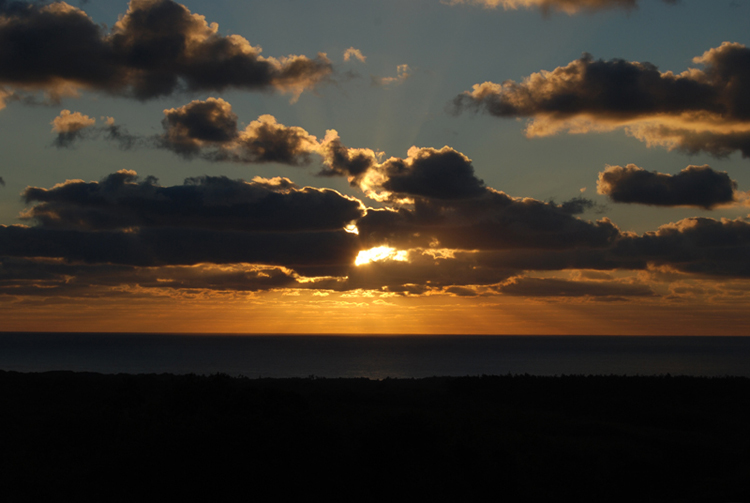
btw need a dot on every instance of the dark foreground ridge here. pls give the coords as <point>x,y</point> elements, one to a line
<point>91,437</point>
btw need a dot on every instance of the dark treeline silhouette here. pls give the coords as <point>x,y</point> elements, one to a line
<point>89,437</point>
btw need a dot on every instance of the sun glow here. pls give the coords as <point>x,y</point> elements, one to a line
<point>380,253</point>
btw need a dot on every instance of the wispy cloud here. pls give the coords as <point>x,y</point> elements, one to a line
<point>352,53</point>
<point>403,72</point>
<point>566,6</point>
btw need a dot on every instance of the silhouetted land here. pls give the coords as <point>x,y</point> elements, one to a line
<point>90,437</point>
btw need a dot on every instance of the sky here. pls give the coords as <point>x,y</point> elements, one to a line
<point>376,167</point>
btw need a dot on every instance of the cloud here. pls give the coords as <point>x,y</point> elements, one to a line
<point>566,6</point>
<point>209,129</point>
<point>439,202</point>
<point>428,173</point>
<point>157,48</point>
<point>551,287</point>
<point>403,73</point>
<point>425,270</point>
<point>69,127</point>
<point>124,232</point>
<point>697,110</point>
<point>352,53</point>
<point>51,277</point>
<point>698,186</point>
<point>716,143</point>
<point>72,127</point>
<point>694,245</point>
<point>308,253</point>
<point>579,205</point>
<point>340,160</point>
<point>494,221</point>
<point>125,220</point>
<point>122,201</point>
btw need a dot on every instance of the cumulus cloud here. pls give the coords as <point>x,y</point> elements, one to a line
<point>123,201</point>
<point>693,245</point>
<point>308,253</point>
<point>157,48</point>
<point>209,129</point>
<point>69,127</point>
<point>341,160</point>
<point>217,233</point>
<point>125,220</point>
<point>697,110</point>
<point>352,53</point>
<point>493,221</point>
<point>425,172</point>
<point>698,186</point>
<point>566,6</point>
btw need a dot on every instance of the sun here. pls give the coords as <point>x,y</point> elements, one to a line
<point>380,253</point>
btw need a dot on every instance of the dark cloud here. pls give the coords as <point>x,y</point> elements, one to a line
<point>314,253</point>
<point>441,203</point>
<point>433,174</point>
<point>460,291</point>
<point>694,245</point>
<point>206,129</point>
<point>220,234</point>
<point>71,127</point>
<point>698,110</point>
<point>579,205</point>
<point>157,48</point>
<point>698,186</point>
<point>46,277</point>
<point>493,221</point>
<point>209,129</point>
<point>702,246</point>
<point>422,269</point>
<point>127,221</point>
<point>189,127</point>
<point>344,161</point>
<point>615,89</point>
<point>122,201</point>
<point>567,6</point>
<point>535,259</point>
<point>551,287</point>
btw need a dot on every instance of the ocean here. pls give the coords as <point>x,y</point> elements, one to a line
<point>374,357</point>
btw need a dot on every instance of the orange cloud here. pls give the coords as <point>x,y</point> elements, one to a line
<point>403,73</point>
<point>352,53</point>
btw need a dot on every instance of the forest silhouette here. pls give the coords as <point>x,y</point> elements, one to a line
<point>93,437</point>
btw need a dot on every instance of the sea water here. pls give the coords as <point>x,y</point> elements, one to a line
<point>374,357</point>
